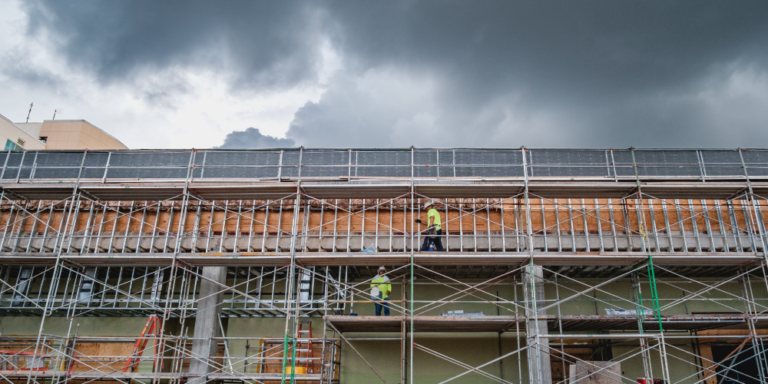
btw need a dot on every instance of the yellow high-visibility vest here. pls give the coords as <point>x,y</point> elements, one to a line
<point>434,213</point>
<point>382,283</point>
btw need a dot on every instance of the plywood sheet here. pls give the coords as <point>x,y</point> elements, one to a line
<point>596,372</point>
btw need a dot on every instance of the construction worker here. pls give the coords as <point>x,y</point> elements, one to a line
<point>380,290</point>
<point>433,222</point>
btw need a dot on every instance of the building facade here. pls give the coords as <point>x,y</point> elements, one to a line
<point>14,137</point>
<point>55,134</point>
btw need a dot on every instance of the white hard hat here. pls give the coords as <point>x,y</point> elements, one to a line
<point>427,204</point>
<point>382,269</point>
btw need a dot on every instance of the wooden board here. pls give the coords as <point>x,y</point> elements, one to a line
<point>104,357</point>
<point>463,215</point>
<point>595,372</point>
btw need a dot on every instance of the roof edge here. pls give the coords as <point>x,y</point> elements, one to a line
<point>91,124</point>
<point>22,129</point>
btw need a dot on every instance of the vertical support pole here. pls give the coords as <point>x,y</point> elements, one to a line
<point>391,218</point>
<point>544,225</point>
<point>760,360</point>
<point>756,208</point>
<point>557,221</point>
<point>57,269</point>
<point>599,225</point>
<point>403,330</point>
<point>291,276</point>
<point>681,225</point>
<point>751,312</point>
<point>560,327</point>
<point>252,227</point>
<point>670,238</point>
<point>721,226</point>
<point>539,366</point>
<point>570,223</point>
<point>517,334</point>
<point>707,224</point>
<point>488,223</point>
<point>325,350</point>
<point>474,225</point>
<point>653,225</point>
<point>106,168</point>
<point>5,164</point>
<point>21,166</point>
<point>586,226</point>
<point>651,273</point>
<point>376,231</point>
<point>501,213</point>
<point>646,354</point>
<point>160,343</point>
<point>349,223</point>
<point>411,298</point>
<point>501,351</point>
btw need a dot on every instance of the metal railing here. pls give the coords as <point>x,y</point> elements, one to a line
<point>419,163</point>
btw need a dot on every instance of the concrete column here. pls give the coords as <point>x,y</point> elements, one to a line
<point>207,322</point>
<point>538,352</point>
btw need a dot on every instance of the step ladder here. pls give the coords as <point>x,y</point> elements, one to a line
<point>152,327</point>
<point>304,349</point>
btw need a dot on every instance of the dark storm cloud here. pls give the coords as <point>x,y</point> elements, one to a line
<point>252,138</point>
<point>611,72</point>
<point>594,48</point>
<point>264,44</point>
<point>457,73</point>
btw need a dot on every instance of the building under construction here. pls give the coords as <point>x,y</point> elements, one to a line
<point>561,266</point>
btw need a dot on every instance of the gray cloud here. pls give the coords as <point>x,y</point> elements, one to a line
<point>13,66</point>
<point>264,45</point>
<point>588,73</point>
<point>455,73</point>
<point>251,138</point>
<point>590,47</point>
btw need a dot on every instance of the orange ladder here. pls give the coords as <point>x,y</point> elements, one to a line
<point>305,347</point>
<point>152,327</point>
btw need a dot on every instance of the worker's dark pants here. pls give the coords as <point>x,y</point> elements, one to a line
<point>378,306</point>
<point>435,239</point>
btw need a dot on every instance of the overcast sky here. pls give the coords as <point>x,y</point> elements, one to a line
<point>247,74</point>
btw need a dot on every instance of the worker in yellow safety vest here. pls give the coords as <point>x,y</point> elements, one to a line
<point>433,222</point>
<point>380,290</point>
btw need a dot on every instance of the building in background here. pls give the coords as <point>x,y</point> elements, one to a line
<point>14,137</point>
<point>55,134</point>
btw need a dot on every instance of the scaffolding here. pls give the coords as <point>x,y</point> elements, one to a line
<point>650,258</point>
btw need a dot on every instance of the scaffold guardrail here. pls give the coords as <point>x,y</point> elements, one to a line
<point>405,163</point>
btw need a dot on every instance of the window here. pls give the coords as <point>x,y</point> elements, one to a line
<point>20,142</point>
<point>11,146</point>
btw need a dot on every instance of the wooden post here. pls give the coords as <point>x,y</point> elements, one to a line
<point>707,362</point>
